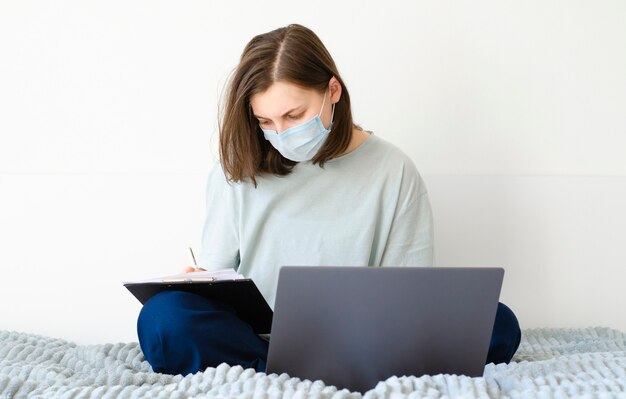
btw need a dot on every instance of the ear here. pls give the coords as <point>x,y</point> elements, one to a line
<point>335,90</point>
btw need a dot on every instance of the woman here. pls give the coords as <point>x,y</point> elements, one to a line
<point>298,183</point>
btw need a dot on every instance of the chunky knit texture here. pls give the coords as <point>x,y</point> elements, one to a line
<point>550,363</point>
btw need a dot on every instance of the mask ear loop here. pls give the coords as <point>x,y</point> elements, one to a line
<point>332,115</point>
<point>323,102</point>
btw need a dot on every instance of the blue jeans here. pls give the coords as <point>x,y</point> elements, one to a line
<point>182,333</point>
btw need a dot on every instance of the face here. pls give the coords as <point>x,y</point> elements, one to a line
<point>284,105</point>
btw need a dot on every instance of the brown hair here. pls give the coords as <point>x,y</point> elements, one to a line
<point>292,54</point>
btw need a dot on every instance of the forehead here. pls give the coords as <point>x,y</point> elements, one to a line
<point>279,97</point>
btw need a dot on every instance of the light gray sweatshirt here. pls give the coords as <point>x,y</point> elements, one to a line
<point>369,207</point>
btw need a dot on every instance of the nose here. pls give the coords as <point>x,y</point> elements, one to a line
<point>279,128</point>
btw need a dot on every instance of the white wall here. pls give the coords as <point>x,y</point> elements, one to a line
<point>514,112</point>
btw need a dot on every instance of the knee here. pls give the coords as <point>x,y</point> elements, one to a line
<point>168,330</point>
<point>166,313</point>
<point>158,313</point>
<point>506,317</point>
<point>506,336</point>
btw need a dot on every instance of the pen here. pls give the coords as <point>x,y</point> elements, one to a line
<point>195,265</point>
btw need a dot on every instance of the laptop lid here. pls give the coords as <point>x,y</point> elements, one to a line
<point>355,326</point>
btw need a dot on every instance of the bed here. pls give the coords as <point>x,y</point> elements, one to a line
<point>550,363</point>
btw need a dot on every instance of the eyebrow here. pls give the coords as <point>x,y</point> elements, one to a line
<point>285,114</point>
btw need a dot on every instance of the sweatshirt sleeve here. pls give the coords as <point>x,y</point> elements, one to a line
<point>410,241</point>
<point>220,237</point>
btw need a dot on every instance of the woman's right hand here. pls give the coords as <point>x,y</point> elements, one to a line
<point>191,269</point>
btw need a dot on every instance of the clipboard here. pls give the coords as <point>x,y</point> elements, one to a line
<point>241,294</point>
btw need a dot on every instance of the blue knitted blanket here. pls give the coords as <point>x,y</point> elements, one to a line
<point>550,363</point>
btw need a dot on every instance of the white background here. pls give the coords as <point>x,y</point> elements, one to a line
<point>514,113</point>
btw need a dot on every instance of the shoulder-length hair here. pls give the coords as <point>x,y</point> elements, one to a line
<point>292,54</point>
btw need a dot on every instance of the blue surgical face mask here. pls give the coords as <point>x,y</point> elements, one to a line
<point>301,143</point>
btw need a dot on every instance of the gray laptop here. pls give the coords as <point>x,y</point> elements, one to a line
<point>355,326</point>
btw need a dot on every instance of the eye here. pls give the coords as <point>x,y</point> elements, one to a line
<point>293,117</point>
